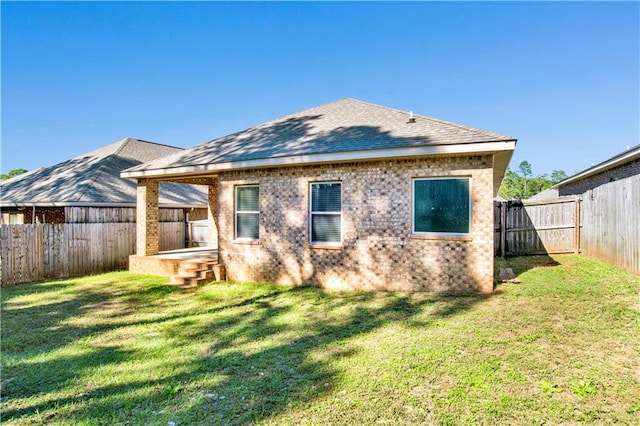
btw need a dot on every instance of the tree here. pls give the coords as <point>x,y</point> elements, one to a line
<point>537,184</point>
<point>12,173</point>
<point>523,184</point>
<point>511,186</point>
<point>558,176</point>
<point>525,171</point>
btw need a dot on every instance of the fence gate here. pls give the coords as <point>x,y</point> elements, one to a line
<point>537,227</point>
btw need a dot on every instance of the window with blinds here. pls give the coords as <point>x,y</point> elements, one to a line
<point>247,212</point>
<point>442,206</point>
<point>326,212</point>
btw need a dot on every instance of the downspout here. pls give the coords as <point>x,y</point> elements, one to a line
<point>33,215</point>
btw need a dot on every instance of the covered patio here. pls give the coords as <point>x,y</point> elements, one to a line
<point>188,266</point>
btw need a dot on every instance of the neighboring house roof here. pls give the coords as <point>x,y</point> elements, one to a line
<point>546,194</point>
<point>345,130</point>
<point>624,157</point>
<point>93,179</point>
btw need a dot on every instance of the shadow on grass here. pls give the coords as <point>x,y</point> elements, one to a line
<point>522,264</point>
<point>264,352</point>
<point>44,325</point>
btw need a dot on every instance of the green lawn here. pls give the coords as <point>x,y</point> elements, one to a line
<point>561,347</point>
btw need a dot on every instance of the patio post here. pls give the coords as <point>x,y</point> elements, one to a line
<point>147,243</point>
<point>212,212</point>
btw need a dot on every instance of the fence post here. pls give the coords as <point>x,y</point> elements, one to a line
<point>503,228</point>
<point>576,244</point>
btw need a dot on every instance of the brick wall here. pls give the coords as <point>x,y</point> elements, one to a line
<point>147,239</point>
<point>378,250</point>
<point>581,186</point>
<point>45,215</point>
<point>198,214</point>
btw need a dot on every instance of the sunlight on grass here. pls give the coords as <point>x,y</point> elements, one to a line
<point>561,347</point>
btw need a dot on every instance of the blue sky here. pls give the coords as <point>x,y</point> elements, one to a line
<point>563,78</point>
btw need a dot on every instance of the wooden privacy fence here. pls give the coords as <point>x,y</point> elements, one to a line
<point>537,227</point>
<point>611,223</point>
<point>38,252</point>
<point>603,224</point>
<point>198,234</point>
<point>116,215</point>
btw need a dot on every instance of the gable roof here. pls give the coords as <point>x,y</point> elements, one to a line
<point>545,195</point>
<point>93,179</point>
<point>626,156</point>
<point>345,130</point>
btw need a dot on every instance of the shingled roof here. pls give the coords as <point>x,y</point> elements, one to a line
<point>345,130</point>
<point>93,179</point>
<point>624,157</point>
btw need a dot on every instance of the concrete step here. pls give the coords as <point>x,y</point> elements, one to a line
<point>193,273</point>
<point>199,262</point>
<point>185,282</point>
<point>191,269</point>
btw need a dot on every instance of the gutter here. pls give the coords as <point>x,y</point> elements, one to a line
<point>323,158</point>
<point>625,157</point>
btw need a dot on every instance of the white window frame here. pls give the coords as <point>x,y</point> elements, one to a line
<point>236,212</point>
<point>413,207</point>
<point>311,213</point>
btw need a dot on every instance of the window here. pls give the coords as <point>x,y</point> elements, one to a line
<point>442,206</point>
<point>16,218</point>
<point>247,212</point>
<point>326,212</point>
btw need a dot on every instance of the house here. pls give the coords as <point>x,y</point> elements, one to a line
<point>88,188</point>
<point>346,195</point>
<point>545,195</point>
<point>620,166</point>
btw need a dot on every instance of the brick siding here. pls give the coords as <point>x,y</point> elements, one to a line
<point>581,186</point>
<point>44,215</point>
<point>378,251</point>
<point>198,214</point>
<point>147,239</point>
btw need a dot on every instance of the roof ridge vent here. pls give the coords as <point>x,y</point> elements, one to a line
<point>412,119</point>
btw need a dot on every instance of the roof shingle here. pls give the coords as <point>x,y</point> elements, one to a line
<point>347,125</point>
<point>94,177</point>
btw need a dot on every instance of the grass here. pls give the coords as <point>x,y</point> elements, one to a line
<point>561,347</point>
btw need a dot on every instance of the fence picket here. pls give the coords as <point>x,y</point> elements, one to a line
<point>610,228</point>
<point>536,227</point>
<point>35,252</point>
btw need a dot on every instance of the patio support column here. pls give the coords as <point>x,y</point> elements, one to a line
<point>212,212</point>
<point>147,243</point>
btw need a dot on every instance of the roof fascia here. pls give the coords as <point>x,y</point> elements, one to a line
<point>625,157</point>
<point>501,160</point>
<point>321,158</point>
